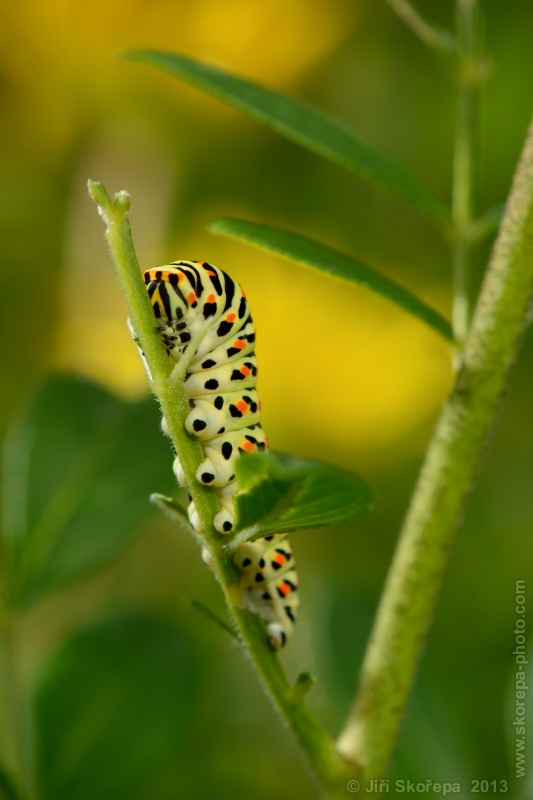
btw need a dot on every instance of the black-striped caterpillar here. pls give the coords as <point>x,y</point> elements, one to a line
<point>198,306</point>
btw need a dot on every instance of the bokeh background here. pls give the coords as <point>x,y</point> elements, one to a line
<point>344,376</point>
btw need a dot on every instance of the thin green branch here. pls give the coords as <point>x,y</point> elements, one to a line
<point>453,460</point>
<point>465,166</point>
<point>434,37</point>
<point>118,234</point>
<point>328,766</point>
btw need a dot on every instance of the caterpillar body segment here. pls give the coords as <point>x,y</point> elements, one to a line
<point>197,305</point>
<point>207,420</point>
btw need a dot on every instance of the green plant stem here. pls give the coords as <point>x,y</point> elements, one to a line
<point>434,37</point>
<point>465,166</point>
<point>329,767</point>
<point>453,460</point>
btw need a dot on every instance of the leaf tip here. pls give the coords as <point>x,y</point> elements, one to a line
<point>131,55</point>
<point>216,225</point>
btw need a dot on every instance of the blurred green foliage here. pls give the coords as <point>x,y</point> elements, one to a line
<point>76,482</point>
<point>113,704</point>
<point>75,111</point>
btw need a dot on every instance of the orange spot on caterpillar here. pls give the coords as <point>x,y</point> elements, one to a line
<point>191,297</point>
<point>211,297</point>
<point>211,273</point>
<point>279,558</point>
<point>284,588</point>
<point>248,446</point>
<point>239,344</point>
<point>242,405</point>
<point>231,318</point>
<point>245,370</point>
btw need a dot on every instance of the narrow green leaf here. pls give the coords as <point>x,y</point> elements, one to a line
<point>278,494</point>
<point>211,616</point>
<point>320,257</point>
<point>174,511</point>
<point>299,122</point>
<point>79,466</point>
<point>114,704</point>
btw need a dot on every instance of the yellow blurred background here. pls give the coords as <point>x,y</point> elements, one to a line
<point>74,106</point>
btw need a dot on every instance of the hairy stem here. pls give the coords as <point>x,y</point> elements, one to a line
<point>328,766</point>
<point>465,165</point>
<point>453,460</point>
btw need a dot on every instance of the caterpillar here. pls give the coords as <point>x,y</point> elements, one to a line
<point>198,306</point>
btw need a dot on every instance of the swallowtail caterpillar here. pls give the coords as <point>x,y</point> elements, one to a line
<point>194,301</point>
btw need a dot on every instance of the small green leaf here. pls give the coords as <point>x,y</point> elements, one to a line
<point>212,617</point>
<point>114,704</point>
<point>174,511</point>
<point>320,257</point>
<point>299,122</point>
<point>278,494</point>
<point>79,467</point>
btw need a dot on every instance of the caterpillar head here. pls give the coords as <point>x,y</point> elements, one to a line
<point>171,293</point>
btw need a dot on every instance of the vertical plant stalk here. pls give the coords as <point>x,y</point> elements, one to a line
<point>329,767</point>
<point>465,165</point>
<point>17,716</point>
<point>453,460</point>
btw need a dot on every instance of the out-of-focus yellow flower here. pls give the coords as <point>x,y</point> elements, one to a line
<point>61,56</point>
<point>63,64</point>
<point>340,369</point>
<point>343,371</point>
